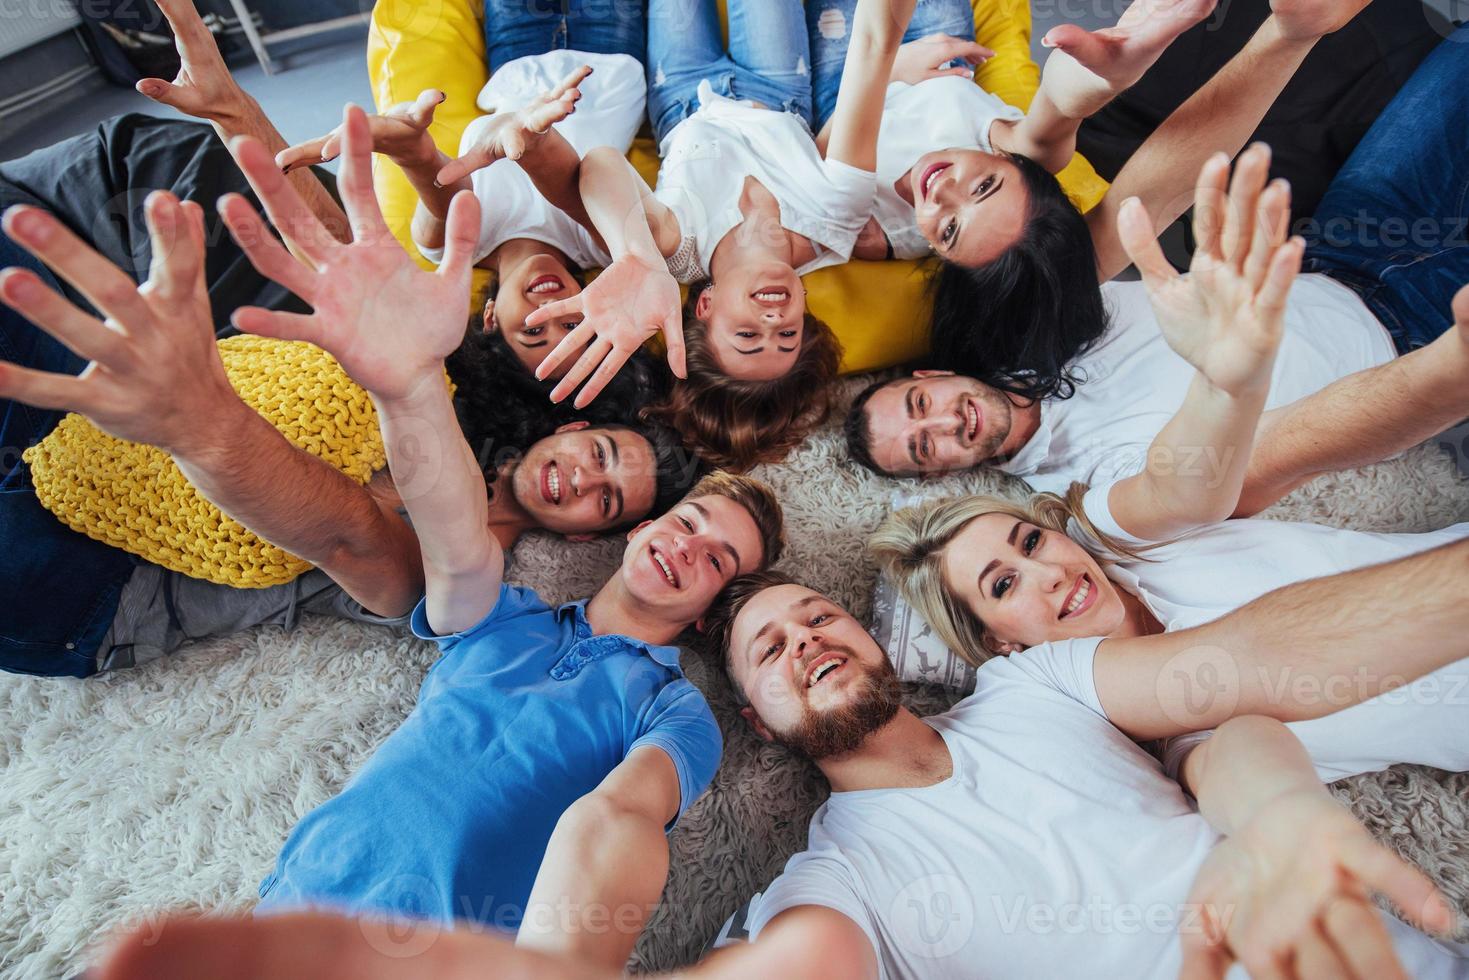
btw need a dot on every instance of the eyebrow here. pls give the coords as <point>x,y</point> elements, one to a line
<point>728,548</point>
<point>994,564</point>
<point>983,197</point>
<point>801,604</point>
<point>533,346</point>
<point>757,350</point>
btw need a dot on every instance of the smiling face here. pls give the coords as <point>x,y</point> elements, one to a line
<point>1029,585</point>
<point>583,480</point>
<point>531,284</point>
<point>677,564</point>
<point>754,317</point>
<point>936,422</point>
<point>969,204</point>
<point>816,681</point>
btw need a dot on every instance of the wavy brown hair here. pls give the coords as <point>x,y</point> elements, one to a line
<point>735,424</point>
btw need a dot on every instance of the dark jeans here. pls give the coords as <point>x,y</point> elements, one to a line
<point>519,28</point>
<point>58,588</point>
<point>1394,224</point>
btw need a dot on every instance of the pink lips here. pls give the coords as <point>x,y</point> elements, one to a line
<point>545,280</point>
<point>923,182</point>
<point>1087,603</point>
<point>549,497</point>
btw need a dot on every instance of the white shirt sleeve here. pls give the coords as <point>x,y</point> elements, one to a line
<point>813,879</point>
<point>856,187</point>
<point>1065,666</point>
<point>1097,505</point>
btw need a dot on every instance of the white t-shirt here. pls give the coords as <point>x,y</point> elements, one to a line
<point>1133,382</point>
<point>1216,569</point>
<point>707,157</point>
<point>1057,848</point>
<point>935,114</point>
<point>609,114</point>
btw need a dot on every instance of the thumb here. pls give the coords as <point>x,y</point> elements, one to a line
<point>673,340</point>
<point>158,90</point>
<point>1086,47</point>
<point>422,113</point>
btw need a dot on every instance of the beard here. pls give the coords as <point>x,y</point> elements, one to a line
<point>838,731</point>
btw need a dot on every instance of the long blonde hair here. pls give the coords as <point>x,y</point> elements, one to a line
<point>909,548</point>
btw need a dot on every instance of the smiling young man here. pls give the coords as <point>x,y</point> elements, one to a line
<point>550,748</point>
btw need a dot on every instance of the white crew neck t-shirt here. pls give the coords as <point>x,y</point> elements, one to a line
<point>609,114</point>
<point>1057,848</point>
<point>1133,382</point>
<point>1214,570</point>
<point>935,114</point>
<point>707,157</point>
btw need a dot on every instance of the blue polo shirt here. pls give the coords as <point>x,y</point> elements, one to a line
<point>522,715</point>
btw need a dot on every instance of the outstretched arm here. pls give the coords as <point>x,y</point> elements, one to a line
<point>1226,318</point>
<point>1218,117</point>
<point>877,32</point>
<point>156,378</point>
<point>205,89</point>
<point>1291,882</point>
<point>1297,653</point>
<point>390,325</point>
<point>1363,418</point>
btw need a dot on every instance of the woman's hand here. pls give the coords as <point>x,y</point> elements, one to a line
<point>1289,894</point>
<point>629,302</point>
<point>928,57</point>
<point>510,135</point>
<point>389,323</point>
<point>400,134</point>
<point>1226,316</point>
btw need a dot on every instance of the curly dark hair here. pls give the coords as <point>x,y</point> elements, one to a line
<point>1019,321</point>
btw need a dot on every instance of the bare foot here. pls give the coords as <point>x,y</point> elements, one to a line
<point>1120,55</point>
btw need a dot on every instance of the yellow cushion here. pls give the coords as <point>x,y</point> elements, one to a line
<point>879,310</point>
<point>134,497</point>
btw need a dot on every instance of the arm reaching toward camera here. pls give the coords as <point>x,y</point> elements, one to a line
<point>1226,317</point>
<point>156,377</point>
<point>1292,881</point>
<point>205,89</point>
<point>390,325</point>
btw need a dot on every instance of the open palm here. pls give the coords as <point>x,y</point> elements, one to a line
<point>389,323</point>
<point>1120,55</point>
<point>508,135</point>
<point>1226,316</point>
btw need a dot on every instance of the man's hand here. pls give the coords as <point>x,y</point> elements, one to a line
<point>400,134</point>
<point>1308,20</point>
<point>1227,315</point>
<point>927,57</point>
<point>204,87</point>
<point>1290,895</point>
<point>510,135</point>
<point>389,323</point>
<point>155,375</point>
<point>629,302</point>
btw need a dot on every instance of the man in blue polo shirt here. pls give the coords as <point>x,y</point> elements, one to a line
<point>551,749</point>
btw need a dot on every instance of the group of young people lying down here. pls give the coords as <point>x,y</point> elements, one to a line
<point>1112,614</point>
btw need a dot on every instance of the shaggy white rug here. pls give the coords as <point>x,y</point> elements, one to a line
<point>172,786</point>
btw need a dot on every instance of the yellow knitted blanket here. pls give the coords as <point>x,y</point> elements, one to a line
<point>135,498</point>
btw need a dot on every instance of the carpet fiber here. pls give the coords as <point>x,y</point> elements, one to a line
<point>172,787</point>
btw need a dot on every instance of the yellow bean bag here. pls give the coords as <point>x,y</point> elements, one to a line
<point>134,497</point>
<point>879,310</point>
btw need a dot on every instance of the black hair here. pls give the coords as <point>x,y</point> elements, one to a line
<point>676,468</point>
<point>504,410</point>
<point>858,429</point>
<point>1018,321</point>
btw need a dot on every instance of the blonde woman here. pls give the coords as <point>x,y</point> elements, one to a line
<point>1151,553</point>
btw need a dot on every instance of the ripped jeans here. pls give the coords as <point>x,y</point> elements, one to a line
<point>767,62</point>
<point>829,23</point>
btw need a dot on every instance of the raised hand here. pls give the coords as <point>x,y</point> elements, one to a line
<point>155,375</point>
<point>1120,55</point>
<point>204,87</point>
<point>389,323</point>
<point>1290,894</point>
<point>399,133</point>
<point>629,302</point>
<point>926,57</point>
<point>1227,315</point>
<point>510,134</point>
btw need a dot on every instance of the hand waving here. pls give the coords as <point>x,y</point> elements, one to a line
<point>926,57</point>
<point>510,134</point>
<point>204,87</point>
<point>1290,895</point>
<point>1227,315</point>
<point>155,375</point>
<point>1120,55</point>
<point>389,323</point>
<point>629,302</point>
<point>399,133</point>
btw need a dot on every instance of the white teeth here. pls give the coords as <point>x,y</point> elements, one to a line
<point>931,178</point>
<point>973,420</point>
<point>549,286</point>
<point>1080,597</point>
<point>554,479</point>
<point>667,572</point>
<point>773,297</point>
<point>823,670</point>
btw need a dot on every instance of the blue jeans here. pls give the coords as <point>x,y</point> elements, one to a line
<point>518,28</point>
<point>829,23</point>
<point>766,62</point>
<point>1394,224</point>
